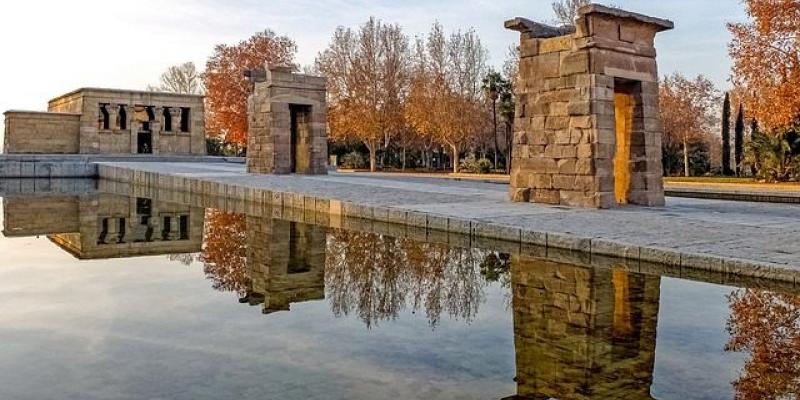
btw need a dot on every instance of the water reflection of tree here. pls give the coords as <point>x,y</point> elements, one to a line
<point>766,325</point>
<point>377,276</point>
<point>224,250</point>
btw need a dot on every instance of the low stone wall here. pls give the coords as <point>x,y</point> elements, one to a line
<point>430,223</point>
<point>48,215</point>
<point>45,166</point>
<point>41,132</point>
<point>259,209</point>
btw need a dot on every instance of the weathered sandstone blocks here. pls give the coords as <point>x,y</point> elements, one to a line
<point>286,123</point>
<point>572,138</point>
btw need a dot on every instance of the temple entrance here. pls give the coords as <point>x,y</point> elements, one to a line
<point>300,138</point>
<point>144,142</point>
<point>623,114</point>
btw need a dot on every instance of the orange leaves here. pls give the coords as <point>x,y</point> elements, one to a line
<point>226,87</point>
<point>367,73</point>
<point>766,56</point>
<point>767,326</point>
<point>224,251</point>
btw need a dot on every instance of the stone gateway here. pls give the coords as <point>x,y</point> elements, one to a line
<point>286,116</point>
<point>587,132</point>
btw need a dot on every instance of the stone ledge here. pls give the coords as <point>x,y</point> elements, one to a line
<point>562,246</point>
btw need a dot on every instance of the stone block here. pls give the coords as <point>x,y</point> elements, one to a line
<point>484,229</point>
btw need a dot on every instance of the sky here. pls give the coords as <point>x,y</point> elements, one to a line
<point>52,47</point>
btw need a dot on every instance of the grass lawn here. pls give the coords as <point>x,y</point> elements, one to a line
<point>709,179</point>
<point>728,181</point>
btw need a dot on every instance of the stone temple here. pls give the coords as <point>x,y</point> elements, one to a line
<point>110,121</point>
<point>587,132</point>
<point>286,123</point>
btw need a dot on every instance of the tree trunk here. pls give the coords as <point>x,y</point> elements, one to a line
<point>494,125</point>
<point>403,159</point>
<point>685,158</point>
<point>372,157</point>
<point>455,159</point>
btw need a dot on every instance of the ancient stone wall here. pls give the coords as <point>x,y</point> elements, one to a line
<point>111,121</point>
<point>23,216</point>
<point>587,132</point>
<point>287,123</point>
<point>41,132</point>
<point>108,121</point>
<point>581,332</point>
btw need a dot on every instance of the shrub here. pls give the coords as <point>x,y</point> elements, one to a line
<point>218,147</point>
<point>475,166</point>
<point>774,155</point>
<point>353,160</point>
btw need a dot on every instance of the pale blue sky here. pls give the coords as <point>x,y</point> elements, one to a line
<point>52,47</point>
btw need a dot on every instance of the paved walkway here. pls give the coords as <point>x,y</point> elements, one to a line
<point>767,233</point>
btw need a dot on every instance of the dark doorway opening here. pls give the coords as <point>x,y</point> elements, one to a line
<point>299,154</point>
<point>144,142</point>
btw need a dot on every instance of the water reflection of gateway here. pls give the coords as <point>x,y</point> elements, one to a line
<point>583,333</point>
<point>285,263</point>
<point>97,225</point>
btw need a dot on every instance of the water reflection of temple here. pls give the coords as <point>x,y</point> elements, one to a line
<point>106,226</point>
<point>583,333</point>
<point>285,263</point>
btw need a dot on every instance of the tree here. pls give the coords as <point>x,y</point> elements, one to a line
<point>445,100</point>
<point>754,132</point>
<point>766,60</point>
<point>376,277</point>
<point>507,104</point>
<point>686,112</point>
<point>491,86</point>
<point>182,78</point>
<point>368,77</point>
<point>726,136</point>
<point>226,87</point>
<point>224,252</point>
<point>567,10</point>
<point>767,326</point>
<point>738,142</point>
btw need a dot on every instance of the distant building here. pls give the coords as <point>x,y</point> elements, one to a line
<point>110,121</point>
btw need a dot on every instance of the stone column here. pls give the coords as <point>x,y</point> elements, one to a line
<point>156,124</point>
<point>112,116</point>
<point>175,112</point>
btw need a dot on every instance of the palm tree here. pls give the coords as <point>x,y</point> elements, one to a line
<point>491,86</point>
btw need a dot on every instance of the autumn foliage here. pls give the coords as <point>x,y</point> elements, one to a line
<point>384,89</point>
<point>766,55</point>
<point>686,111</point>
<point>767,326</point>
<point>224,253</point>
<point>226,87</point>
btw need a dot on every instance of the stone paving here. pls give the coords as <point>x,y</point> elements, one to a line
<point>687,232</point>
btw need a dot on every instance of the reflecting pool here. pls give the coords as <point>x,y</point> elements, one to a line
<point>114,292</point>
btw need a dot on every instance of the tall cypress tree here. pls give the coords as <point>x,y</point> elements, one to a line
<point>726,136</point>
<point>738,140</point>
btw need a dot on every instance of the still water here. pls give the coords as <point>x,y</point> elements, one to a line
<point>123,296</point>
